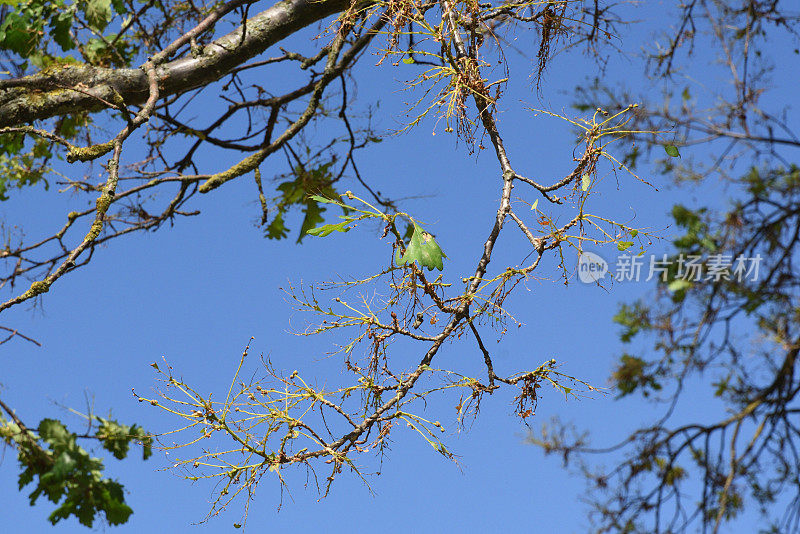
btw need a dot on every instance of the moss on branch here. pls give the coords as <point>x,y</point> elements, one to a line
<point>89,153</point>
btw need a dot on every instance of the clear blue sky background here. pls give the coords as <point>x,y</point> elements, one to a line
<point>197,292</point>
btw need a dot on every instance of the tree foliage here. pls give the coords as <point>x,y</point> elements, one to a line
<point>66,473</point>
<point>734,335</point>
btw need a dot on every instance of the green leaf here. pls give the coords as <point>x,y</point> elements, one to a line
<point>424,250</point>
<point>535,203</point>
<point>119,6</point>
<point>313,216</point>
<point>310,189</point>
<point>631,374</point>
<point>323,199</point>
<point>672,150</point>
<point>63,466</point>
<point>585,182</point>
<point>55,433</point>
<point>145,440</point>
<point>60,26</point>
<point>408,60</point>
<point>11,143</point>
<point>277,228</point>
<point>634,233</point>
<point>328,229</point>
<point>18,35</point>
<point>98,13</point>
<point>115,438</point>
<point>624,245</point>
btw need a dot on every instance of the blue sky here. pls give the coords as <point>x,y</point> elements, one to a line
<point>195,294</point>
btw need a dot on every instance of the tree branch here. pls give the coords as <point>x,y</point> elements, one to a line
<point>54,94</point>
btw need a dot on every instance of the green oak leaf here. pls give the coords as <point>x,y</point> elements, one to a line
<point>98,13</point>
<point>328,229</point>
<point>55,433</point>
<point>423,249</point>
<point>60,25</point>
<point>277,228</point>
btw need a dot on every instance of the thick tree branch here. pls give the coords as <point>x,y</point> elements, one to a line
<point>51,93</point>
